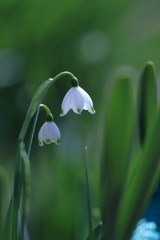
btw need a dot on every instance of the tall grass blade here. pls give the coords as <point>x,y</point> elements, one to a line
<point>7,231</point>
<point>16,195</point>
<point>30,133</point>
<point>97,232</point>
<point>116,145</point>
<point>143,184</point>
<point>91,235</point>
<point>26,189</point>
<point>28,139</point>
<point>13,210</point>
<point>1,206</point>
<point>147,99</point>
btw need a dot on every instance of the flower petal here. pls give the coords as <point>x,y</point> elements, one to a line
<point>65,107</point>
<point>46,132</point>
<point>77,103</point>
<point>40,136</point>
<point>88,104</point>
<point>55,133</point>
<point>76,99</point>
<point>49,133</point>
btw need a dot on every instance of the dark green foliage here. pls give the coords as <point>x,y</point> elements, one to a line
<point>97,232</point>
<point>116,146</point>
<point>147,100</point>
<point>144,169</point>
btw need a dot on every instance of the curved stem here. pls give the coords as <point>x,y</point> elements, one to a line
<point>34,106</point>
<point>45,108</point>
<point>37,99</point>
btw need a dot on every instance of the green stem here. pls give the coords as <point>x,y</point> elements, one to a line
<point>26,187</point>
<point>91,236</point>
<point>1,207</point>
<point>45,108</point>
<point>36,101</point>
<point>29,141</point>
<point>16,195</point>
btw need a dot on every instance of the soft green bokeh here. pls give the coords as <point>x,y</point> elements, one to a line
<point>96,41</point>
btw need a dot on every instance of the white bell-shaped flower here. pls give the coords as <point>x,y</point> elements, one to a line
<point>77,99</point>
<point>49,133</point>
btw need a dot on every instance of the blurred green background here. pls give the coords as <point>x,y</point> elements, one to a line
<point>96,41</point>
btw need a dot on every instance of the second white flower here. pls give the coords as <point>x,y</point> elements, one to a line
<point>49,133</point>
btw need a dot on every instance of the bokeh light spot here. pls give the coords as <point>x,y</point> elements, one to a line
<point>95,45</point>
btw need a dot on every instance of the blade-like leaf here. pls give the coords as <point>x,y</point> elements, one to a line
<point>116,145</point>
<point>13,210</point>
<point>3,185</point>
<point>91,236</point>
<point>30,133</point>
<point>7,231</point>
<point>26,235</point>
<point>26,189</point>
<point>143,184</point>
<point>29,138</point>
<point>147,99</point>
<point>16,196</point>
<point>1,206</point>
<point>96,232</point>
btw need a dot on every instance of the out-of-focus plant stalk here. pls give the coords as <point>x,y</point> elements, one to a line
<point>147,100</point>
<point>26,188</point>
<point>1,207</point>
<point>143,172</point>
<point>16,198</point>
<point>116,146</point>
<point>89,206</point>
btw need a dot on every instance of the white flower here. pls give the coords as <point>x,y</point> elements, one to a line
<point>49,133</point>
<point>77,100</point>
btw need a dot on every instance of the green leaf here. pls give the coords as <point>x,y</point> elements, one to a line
<point>26,235</point>
<point>116,145</point>
<point>28,139</point>
<point>26,189</point>
<point>7,231</point>
<point>3,185</point>
<point>30,133</point>
<point>1,205</point>
<point>134,163</point>
<point>143,184</point>
<point>13,210</point>
<point>16,196</point>
<point>147,99</point>
<point>96,232</point>
<point>89,206</point>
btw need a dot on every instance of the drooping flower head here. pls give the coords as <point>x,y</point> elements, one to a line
<point>49,132</point>
<point>76,99</point>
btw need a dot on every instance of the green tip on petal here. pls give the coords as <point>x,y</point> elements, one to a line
<point>48,140</point>
<point>79,110</point>
<point>62,111</point>
<point>92,108</point>
<point>58,141</point>
<point>40,143</point>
